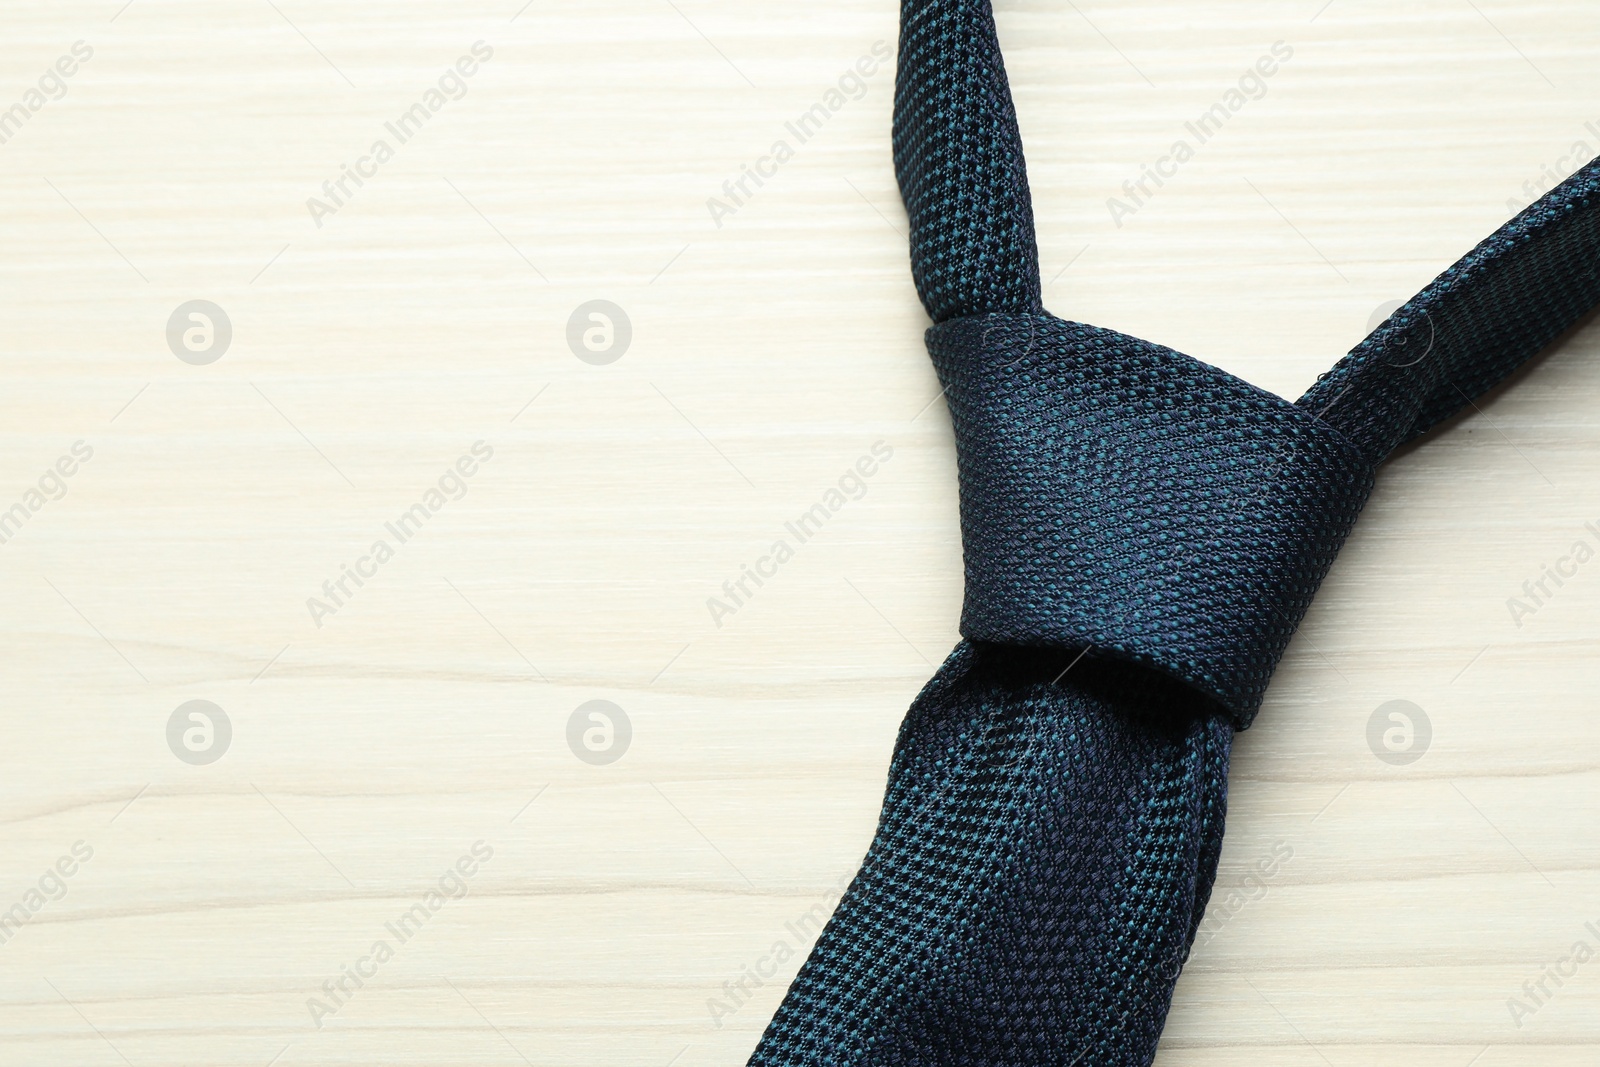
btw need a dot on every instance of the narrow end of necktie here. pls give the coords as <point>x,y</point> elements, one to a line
<point>958,158</point>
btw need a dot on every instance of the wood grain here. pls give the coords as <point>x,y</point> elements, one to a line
<point>772,346</point>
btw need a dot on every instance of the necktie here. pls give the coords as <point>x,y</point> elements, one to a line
<point>1142,535</point>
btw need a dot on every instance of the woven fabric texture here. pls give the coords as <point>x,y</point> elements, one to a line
<point>1500,305</point>
<point>1044,855</point>
<point>1142,533</point>
<point>1120,495</point>
<point>958,156</point>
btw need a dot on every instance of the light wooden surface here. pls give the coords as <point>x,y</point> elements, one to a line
<point>430,711</point>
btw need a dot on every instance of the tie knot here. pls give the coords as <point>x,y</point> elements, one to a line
<point>1121,495</point>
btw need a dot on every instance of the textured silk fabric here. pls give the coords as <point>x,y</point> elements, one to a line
<point>1120,495</point>
<point>1043,858</point>
<point>958,156</point>
<point>1500,305</point>
<point>1143,534</point>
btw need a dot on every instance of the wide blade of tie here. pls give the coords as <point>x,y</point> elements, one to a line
<point>1143,533</point>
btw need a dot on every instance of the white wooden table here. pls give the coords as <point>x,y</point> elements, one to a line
<point>377,336</point>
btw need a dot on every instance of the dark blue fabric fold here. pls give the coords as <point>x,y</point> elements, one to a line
<point>1499,306</point>
<point>1120,495</point>
<point>1045,852</point>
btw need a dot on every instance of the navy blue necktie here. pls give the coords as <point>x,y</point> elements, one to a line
<point>1143,533</point>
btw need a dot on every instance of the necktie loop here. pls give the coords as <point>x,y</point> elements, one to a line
<point>1121,495</point>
